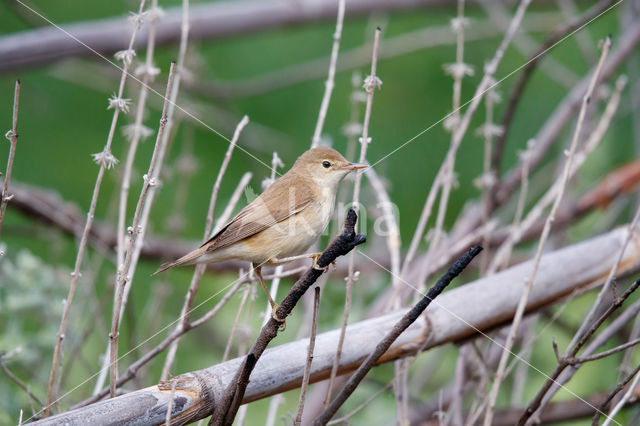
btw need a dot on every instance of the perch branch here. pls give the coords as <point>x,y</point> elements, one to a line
<point>234,393</point>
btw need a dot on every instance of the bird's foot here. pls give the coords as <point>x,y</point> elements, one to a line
<point>317,267</point>
<point>274,315</point>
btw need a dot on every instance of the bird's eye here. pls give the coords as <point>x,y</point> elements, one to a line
<point>326,164</point>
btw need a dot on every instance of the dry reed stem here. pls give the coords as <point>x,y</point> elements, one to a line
<point>232,333</point>
<point>371,83</point>
<point>487,180</point>
<point>184,36</point>
<point>105,162</point>
<point>330,83</point>
<point>233,202</point>
<point>12,135</point>
<point>133,368</point>
<point>307,367</point>
<point>518,228</point>
<point>136,137</point>
<point>627,395</point>
<point>136,228</point>
<point>485,83</point>
<point>200,268</point>
<point>545,233</point>
<point>138,130</point>
<point>457,71</point>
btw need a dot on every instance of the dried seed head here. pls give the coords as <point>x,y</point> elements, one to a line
<point>126,56</point>
<point>371,83</point>
<point>105,158</point>
<point>119,103</point>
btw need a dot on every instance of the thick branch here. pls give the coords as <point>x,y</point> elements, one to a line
<point>208,20</point>
<point>485,304</point>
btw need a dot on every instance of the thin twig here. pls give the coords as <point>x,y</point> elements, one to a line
<point>12,135</point>
<point>486,82</point>
<point>134,367</point>
<point>200,268</point>
<point>134,133</point>
<point>614,392</point>
<point>167,420</point>
<point>20,383</point>
<point>603,354</point>
<point>398,328</point>
<point>371,83</point>
<point>458,71</point>
<point>626,397</point>
<point>330,83</point>
<point>136,227</point>
<point>535,403</point>
<point>106,160</point>
<point>543,239</point>
<point>527,72</point>
<point>227,348</point>
<point>146,212</point>
<point>307,367</point>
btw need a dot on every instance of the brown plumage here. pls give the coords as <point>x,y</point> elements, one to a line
<point>285,220</point>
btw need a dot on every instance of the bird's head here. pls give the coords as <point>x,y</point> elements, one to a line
<point>325,166</point>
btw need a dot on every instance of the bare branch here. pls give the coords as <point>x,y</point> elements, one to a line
<point>207,21</point>
<point>12,135</point>
<point>105,160</point>
<point>543,238</point>
<point>390,337</point>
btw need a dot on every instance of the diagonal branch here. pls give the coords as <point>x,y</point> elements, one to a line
<point>390,337</point>
<point>232,398</point>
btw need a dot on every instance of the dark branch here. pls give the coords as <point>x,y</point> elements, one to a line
<point>563,363</point>
<point>230,402</point>
<point>400,326</point>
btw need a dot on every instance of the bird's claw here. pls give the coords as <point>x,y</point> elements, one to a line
<point>274,315</point>
<point>321,268</point>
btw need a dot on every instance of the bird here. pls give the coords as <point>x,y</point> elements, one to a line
<point>281,223</point>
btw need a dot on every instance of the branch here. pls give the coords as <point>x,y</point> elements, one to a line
<point>404,323</point>
<point>234,393</point>
<point>549,132</point>
<point>207,21</point>
<point>527,72</point>
<point>12,135</point>
<point>487,303</point>
<point>48,207</point>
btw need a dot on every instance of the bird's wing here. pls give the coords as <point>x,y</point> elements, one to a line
<point>276,204</point>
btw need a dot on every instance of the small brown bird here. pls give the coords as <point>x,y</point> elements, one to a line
<point>284,221</point>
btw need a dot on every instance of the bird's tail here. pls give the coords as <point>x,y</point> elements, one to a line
<point>187,259</point>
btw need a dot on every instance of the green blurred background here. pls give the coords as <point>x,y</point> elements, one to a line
<point>63,120</point>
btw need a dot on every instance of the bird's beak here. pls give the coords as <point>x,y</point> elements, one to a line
<point>354,166</point>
